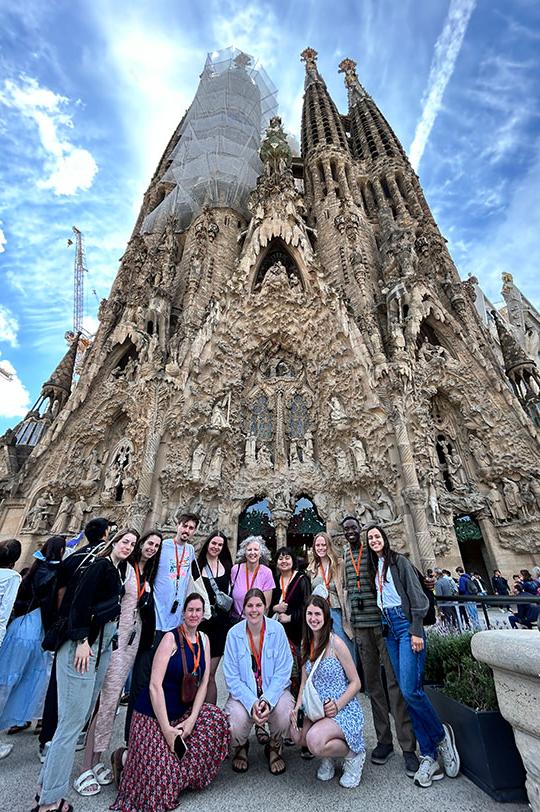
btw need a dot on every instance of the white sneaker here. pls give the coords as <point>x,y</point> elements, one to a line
<point>5,750</point>
<point>428,772</point>
<point>42,752</point>
<point>352,770</point>
<point>326,769</point>
<point>448,753</point>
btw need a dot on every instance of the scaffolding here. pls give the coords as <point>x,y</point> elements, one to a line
<point>216,160</point>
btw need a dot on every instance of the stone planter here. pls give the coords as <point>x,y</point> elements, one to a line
<point>486,746</point>
<point>514,657</point>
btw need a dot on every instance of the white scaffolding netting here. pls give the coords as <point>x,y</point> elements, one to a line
<point>216,160</point>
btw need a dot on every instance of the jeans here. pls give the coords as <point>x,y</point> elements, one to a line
<point>77,696</point>
<point>409,670</point>
<point>473,614</point>
<point>337,627</point>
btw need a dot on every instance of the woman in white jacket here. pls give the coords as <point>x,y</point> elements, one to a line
<point>257,667</point>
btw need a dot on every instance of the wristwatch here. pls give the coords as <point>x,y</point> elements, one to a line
<point>84,640</point>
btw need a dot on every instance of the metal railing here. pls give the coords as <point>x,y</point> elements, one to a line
<point>504,601</point>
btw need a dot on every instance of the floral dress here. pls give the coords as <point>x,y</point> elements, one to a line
<point>331,682</point>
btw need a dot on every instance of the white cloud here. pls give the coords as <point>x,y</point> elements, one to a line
<point>69,167</point>
<point>14,397</point>
<point>3,241</point>
<point>251,27</point>
<point>447,50</point>
<point>9,326</point>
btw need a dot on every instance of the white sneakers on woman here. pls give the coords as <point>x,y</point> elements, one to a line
<point>352,770</point>
<point>326,769</point>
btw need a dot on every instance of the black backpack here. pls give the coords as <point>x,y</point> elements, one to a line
<point>472,587</point>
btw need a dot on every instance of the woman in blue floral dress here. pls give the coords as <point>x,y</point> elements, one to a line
<point>336,728</point>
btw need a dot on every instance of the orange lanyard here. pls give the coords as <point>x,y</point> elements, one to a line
<point>327,578</point>
<point>141,586</point>
<point>356,564</point>
<point>380,582</point>
<point>179,562</point>
<point>196,657</point>
<point>284,589</point>
<point>250,585</point>
<point>257,657</point>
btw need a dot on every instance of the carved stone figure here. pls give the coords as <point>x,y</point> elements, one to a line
<point>250,449</point>
<point>433,502</point>
<point>263,456</point>
<point>78,520</point>
<point>512,497</point>
<point>342,463</point>
<point>61,522</point>
<point>216,463</point>
<point>359,454</point>
<point>337,412</point>
<point>197,461</point>
<point>39,516</point>
<point>496,504</point>
<point>385,511</point>
<point>219,419</point>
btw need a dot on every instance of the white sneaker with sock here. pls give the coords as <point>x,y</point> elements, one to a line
<point>352,770</point>
<point>326,769</point>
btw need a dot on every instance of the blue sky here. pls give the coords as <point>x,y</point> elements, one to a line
<point>91,92</point>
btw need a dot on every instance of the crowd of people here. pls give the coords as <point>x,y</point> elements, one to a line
<point>147,612</point>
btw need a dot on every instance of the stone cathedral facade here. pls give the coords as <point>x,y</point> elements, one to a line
<point>311,340</point>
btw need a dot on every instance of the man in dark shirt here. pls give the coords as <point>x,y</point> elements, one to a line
<point>69,575</point>
<point>500,584</point>
<point>366,623</point>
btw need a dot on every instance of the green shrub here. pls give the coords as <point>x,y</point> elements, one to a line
<point>451,665</point>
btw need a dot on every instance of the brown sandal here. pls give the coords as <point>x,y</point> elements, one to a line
<point>273,752</point>
<point>117,765</point>
<point>241,759</point>
<point>261,734</point>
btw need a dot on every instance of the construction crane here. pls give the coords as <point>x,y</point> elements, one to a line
<point>6,374</point>
<point>79,270</point>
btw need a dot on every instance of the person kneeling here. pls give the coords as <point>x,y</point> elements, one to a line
<point>176,740</point>
<point>328,716</point>
<point>257,668</point>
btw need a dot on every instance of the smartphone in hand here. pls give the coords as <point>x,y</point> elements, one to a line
<point>180,748</point>
<point>300,715</point>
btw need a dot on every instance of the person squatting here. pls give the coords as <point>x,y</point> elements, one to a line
<point>146,610</point>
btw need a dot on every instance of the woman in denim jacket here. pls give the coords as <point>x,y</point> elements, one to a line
<point>403,604</point>
<point>257,669</point>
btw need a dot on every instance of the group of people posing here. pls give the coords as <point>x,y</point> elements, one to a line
<point>291,644</point>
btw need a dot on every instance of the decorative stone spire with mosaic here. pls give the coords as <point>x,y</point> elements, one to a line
<point>287,341</point>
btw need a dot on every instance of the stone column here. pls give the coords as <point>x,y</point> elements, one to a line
<point>143,502</point>
<point>412,493</point>
<point>514,657</point>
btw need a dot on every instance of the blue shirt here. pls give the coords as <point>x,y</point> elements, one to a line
<point>390,596</point>
<point>172,581</point>
<point>276,664</point>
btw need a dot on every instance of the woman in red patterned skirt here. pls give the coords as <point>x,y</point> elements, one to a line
<point>154,776</point>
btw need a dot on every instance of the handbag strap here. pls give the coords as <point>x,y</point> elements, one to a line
<point>182,654</point>
<point>212,580</point>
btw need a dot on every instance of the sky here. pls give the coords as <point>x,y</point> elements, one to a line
<point>90,93</point>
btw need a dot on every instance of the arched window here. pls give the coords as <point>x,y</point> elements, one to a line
<point>277,252</point>
<point>256,520</point>
<point>298,417</point>
<point>260,418</point>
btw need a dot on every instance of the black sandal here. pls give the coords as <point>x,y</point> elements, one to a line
<point>261,734</point>
<point>241,755</point>
<point>274,748</point>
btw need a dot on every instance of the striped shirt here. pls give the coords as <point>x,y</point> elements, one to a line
<point>363,603</point>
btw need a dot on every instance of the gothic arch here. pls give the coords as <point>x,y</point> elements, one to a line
<point>278,251</point>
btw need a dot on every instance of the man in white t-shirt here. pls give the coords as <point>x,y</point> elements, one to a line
<point>173,575</point>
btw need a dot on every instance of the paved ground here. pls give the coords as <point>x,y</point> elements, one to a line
<point>383,788</point>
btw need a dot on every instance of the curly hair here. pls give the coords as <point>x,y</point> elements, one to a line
<point>266,555</point>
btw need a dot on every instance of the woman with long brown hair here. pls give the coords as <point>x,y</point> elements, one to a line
<point>82,662</point>
<point>327,717</point>
<point>136,601</point>
<point>325,569</point>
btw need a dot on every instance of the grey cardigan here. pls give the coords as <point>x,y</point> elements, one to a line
<point>414,602</point>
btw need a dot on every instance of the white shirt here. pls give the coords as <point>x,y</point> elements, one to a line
<point>9,586</point>
<point>168,588</point>
<point>390,596</point>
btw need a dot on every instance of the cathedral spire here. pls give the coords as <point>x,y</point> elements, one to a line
<point>520,369</point>
<point>321,122</point>
<point>58,387</point>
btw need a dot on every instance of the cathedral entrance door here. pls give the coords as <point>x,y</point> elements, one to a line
<point>472,547</point>
<point>304,525</point>
<point>256,520</point>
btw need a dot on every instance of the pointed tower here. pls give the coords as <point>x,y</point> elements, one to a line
<point>276,355</point>
<point>521,370</point>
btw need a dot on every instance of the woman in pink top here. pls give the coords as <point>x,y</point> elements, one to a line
<point>251,572</point>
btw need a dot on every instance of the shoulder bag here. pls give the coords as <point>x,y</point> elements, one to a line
<point>311,701</point>
<point>224,602</point>
<point>197,585</point>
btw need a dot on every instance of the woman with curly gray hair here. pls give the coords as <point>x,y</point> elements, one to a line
<point>250,572</point>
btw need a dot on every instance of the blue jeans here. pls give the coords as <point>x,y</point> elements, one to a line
<point>472,611</point>
<point>409,670</point>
